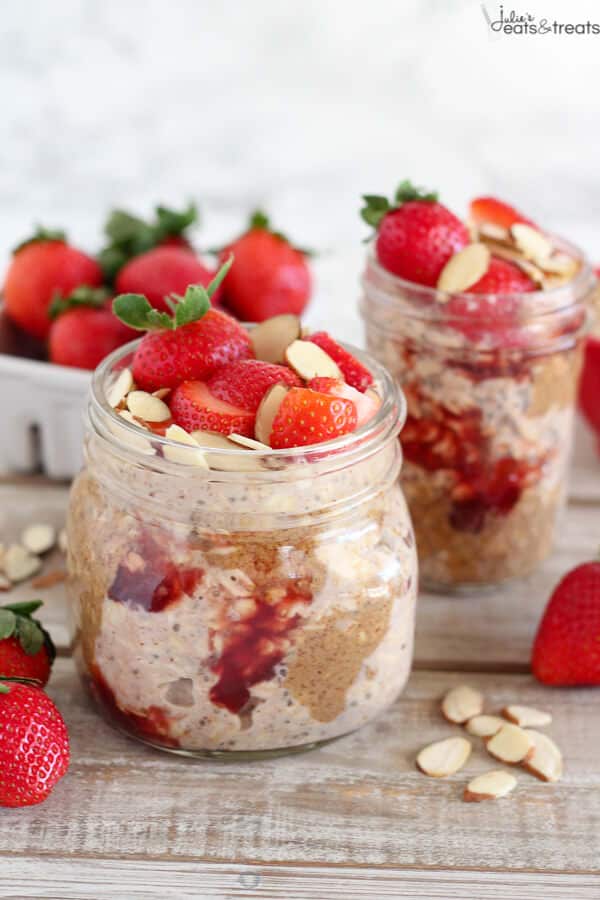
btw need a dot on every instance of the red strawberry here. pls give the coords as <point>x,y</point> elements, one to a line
<point>244,383</point>
<point>40,268</point>
<point>85,329</point>
<point>484,315</point>
<point>161,272</point>
<point>589,386</point>
<point>566,650</point>
<point>355,374</point>
<point>416,236</point>
<point>270,276</point>
<point>366,404</point>
<point>193,407</point>
<point>26,648</point>
<point>34,750</point>
<point>496,212</point>
<point>188,346</point>
<point>308,417</point>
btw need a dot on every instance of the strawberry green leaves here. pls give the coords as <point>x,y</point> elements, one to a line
<point>135,310</point>
<point>42,234</point>
<point>376,206</point>
<point>81,296</point>
<point>16,621</point>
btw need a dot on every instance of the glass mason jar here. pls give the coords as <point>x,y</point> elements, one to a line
<point>259,605</point>
<point>489,429</point>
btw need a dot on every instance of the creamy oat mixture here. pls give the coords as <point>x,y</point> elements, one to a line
<point>207,622</point>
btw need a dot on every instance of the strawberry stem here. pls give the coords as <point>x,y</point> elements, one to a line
<point>42,234</point>
<point>377,206</point>
<point>81,296</point>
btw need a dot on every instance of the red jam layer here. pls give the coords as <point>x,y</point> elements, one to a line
<point>153,724</point>
<point>456,443</point>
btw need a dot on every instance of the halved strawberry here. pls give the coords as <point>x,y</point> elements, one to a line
<point>496,212</point>
<point>355,374</point>
<point>244,383</point>
<point>308,417</point>
<point>366,404</point>
<point>193,407</point>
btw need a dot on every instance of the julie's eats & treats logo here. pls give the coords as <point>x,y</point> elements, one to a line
<point>513,22</point>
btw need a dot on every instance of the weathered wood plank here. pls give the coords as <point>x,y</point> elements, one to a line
<point>111,879</point>
<point>359,801</point>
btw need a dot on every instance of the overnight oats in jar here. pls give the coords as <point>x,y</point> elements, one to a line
<point>482,327</point>
<point>242,561</point>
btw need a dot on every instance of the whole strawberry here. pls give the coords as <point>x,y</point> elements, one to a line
<point>270,276</point>
<point>85,329</point>
<point>34,750</point>
<point>416,235</point>
<point>42,267</point>
<point>188,345</point>
<point>129,236</point>
<point>161,272</point>
<point>566,650</point>
<point>26,648</point>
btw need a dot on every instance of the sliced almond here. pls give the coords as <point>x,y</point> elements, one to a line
<point>309,361</point>
<point>20,564</point>
<point>464,269</point>
<point>484,726</point>
<point>444,757</point>
<point>271,339</point>
<point>489,786</point>
<point>225,462</point>
<point>5,584</point>
<point>559,264</point>
<point>462,703</point>
<point>495,233</point>
<point>531,242</point>
<point>510,745</point>
<point>62,540</point>
<point>136,441</point>
<point>534,272</point>
<point>266,412</point>
<point>184,455</point>
<point>49,579</point>
<point>526,716</point>
<point>39,538</point>
<point>546,761</point>
<point>248,443</point>
<point>120,388</point>
<point>147,407</point>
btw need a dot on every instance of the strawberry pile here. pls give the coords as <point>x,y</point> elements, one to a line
<point>270,384</point>
<point>62,296</point>
<point>485,268</point>
<point>34,745</point>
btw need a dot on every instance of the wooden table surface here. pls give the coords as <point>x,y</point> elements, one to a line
<point>353,819</point>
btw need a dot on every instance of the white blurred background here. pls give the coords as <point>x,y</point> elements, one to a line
<point>298,106</point>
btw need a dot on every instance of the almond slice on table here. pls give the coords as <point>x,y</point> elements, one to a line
<point>5,584</point>
<point>546,761</point>
<point>20,564</point>
<point>247,442</point>
<point>309,361</point>
<point>266,412</point>
<point>49,579</point>
<point>444,757</point>
<point>38,538</point>
<point>120,388</point>
<point>531,242</point>
<point>484,726</point>
<point>271,338</point>
<point>526,716</point>
<point>510,745</point>
<point>183,454</point>
<point>462,703</point>
<point>464,269</point>
<point>489,786</point>
<point>144,406</point>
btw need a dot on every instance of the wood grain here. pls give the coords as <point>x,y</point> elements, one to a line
<point>359,801</point>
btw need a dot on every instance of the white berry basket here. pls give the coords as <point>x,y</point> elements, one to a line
<point>42,420</point>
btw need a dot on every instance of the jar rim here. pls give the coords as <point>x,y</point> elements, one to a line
<point>385,425</point>
<point>555,299</point>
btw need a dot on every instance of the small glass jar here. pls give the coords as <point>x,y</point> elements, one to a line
<point>261,605</point>
<point>489,428</point>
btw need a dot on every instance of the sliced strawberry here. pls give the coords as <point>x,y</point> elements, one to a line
<point>308,417</point>
<point>193,407</point>
<point>503,277</point>
<point>366,404</point>
<point>244,383</point>
<point>355,374</point>
<point>496,212</point>
<point>589,386</point>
